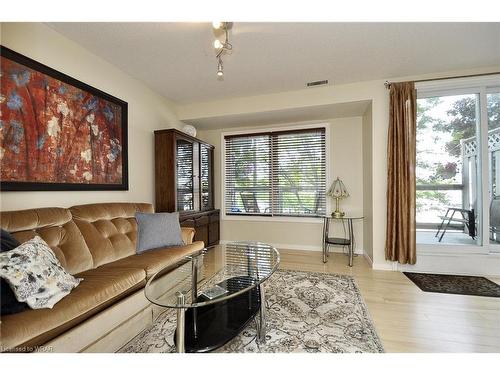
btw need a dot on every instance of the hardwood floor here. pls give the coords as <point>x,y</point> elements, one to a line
<point>406,318</point>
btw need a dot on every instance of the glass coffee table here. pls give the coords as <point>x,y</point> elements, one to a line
<point>216,293</point>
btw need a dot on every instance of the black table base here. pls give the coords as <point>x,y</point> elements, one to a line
<point>210,327</point>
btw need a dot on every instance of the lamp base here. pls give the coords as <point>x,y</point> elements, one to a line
<point>338,214</point>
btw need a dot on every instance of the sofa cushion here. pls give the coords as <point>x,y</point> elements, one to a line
<point>54,226</point>
<point>187,234</point>
<point>154,261</point>
<point>157,230</point>
<point>110,229</point>
<point>100,288</point>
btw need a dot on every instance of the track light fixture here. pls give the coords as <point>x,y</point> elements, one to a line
<point>217,25</point>
<point>218,44</point>
<point>221,47</point>
<point>220,68</point>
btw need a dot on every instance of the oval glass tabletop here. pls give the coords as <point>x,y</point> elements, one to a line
<point>213,275</point>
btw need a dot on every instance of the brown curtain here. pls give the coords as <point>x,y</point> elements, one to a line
<point>401,158</point>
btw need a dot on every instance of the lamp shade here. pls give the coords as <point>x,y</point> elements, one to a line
<point>338,189</point>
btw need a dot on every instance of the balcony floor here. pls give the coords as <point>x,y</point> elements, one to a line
<point>450,238</point>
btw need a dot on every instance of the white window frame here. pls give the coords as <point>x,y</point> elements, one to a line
<point>480,86</point>
<point>287,219</point>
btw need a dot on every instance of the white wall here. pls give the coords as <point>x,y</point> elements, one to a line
<point>367,184</point>
<point>371,90</point>
<point>146,110</point>
<point>345,161</point>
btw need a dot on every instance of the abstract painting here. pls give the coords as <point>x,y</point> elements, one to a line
<point>57,133</point>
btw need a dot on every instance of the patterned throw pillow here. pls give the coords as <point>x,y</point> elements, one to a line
<point>8,301</point>
<point>35,274</point>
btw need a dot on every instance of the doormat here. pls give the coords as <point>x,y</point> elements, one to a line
<point>455,284</point>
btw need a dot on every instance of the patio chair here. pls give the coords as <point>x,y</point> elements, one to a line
<point>468,218</point>
<point>250,204</point>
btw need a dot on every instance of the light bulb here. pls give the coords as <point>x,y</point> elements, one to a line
<point>217,25</point>
<point>220,68</point>
<point>218,44</point>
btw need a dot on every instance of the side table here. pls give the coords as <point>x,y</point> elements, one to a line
<point>348,241</point>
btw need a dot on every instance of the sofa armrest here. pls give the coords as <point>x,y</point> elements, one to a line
<point>187,235</point>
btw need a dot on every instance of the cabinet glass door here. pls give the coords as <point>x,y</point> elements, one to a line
<point>205,179</point>
<point>185,175</point>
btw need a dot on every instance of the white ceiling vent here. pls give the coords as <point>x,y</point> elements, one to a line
<point>317,83</point>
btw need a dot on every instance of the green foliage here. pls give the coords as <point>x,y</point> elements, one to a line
<point>463,121</point>
<point>445,171</point>
<point>462,124</point>
<point>494,111</point>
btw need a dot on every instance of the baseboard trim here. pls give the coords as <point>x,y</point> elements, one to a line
<point>385,266</point>
<point>368,259</point>
<point>301,247</point>
<point>487,265</point>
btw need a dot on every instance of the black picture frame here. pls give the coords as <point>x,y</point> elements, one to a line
<point>46,186</point>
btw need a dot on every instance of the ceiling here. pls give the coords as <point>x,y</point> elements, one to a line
<point>177,59</point>
<point>291,115</point>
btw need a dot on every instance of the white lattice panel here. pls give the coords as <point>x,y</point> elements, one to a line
<point>494,140</point>
<point>469,146</point>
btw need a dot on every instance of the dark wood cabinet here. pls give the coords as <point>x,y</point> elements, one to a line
<point>206,224</point>
<point>184,181</point>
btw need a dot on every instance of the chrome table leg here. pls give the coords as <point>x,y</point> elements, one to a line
<point>181,323</point>
<point>351,242</point>
<point>261,323</point>
<point>194,292</point>
<point>325,235</point>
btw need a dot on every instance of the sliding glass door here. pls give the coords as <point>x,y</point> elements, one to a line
<point>493,114</point>
<point>458,167</point>
<point>447,170</point>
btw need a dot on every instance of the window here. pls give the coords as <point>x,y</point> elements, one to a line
<point>276,173</point>
<point>458,163</point>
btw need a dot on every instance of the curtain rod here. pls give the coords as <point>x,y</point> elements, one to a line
<point>387,84</point>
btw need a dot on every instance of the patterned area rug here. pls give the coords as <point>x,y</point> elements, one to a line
<point>455,284</point>
<point>306,312</point>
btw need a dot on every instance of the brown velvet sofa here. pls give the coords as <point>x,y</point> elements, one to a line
<point>96,242</point>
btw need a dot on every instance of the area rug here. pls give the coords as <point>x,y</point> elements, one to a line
<point>306,312</point>
<point>455,284</point>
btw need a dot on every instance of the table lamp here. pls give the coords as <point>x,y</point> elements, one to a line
<point>338,191</point>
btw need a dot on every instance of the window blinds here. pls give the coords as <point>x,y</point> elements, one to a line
<point>276,173</point>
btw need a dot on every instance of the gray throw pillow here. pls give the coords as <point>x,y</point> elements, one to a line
<point>157,230</point>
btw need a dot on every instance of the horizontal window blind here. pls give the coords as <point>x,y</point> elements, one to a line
<point>299,173</point>
<point>248,175</point>
<point>276,173</point>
